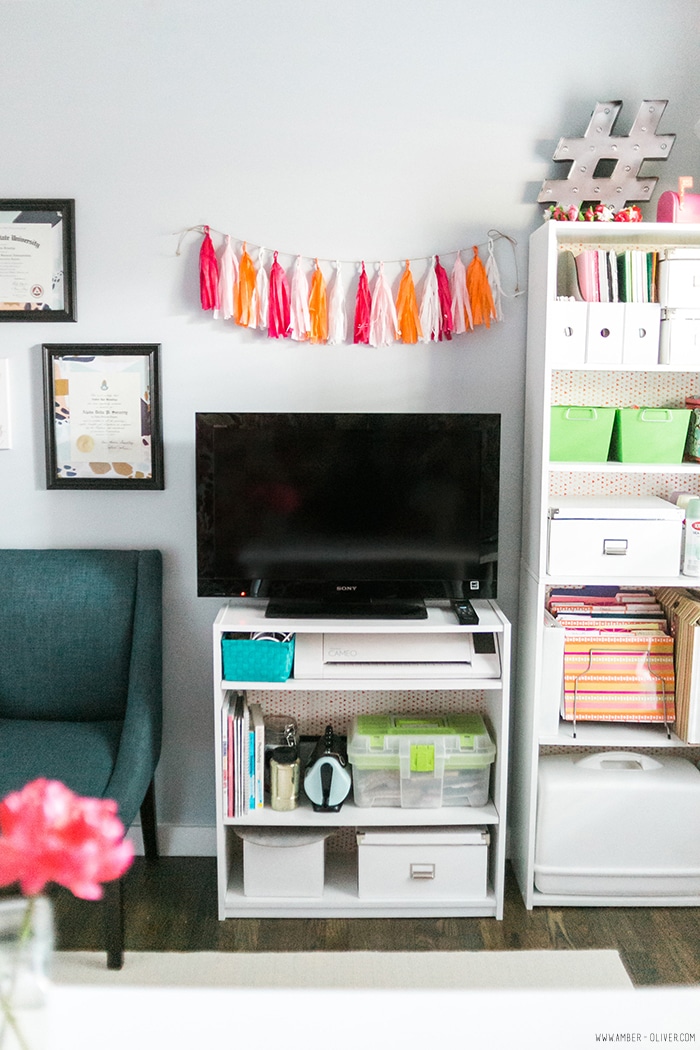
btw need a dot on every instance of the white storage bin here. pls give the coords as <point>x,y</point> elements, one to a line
<point>614,536</point>
<point>431,864</point>
<point>679,277</point>
<point>641,333</point>
<point>604,333</point>
<point>618,824</point>
<point>283,862</point>
<point>566,333</point>
<point>679,342</point>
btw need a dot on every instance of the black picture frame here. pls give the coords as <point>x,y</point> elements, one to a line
<point>102,402</point>
<point>45,286</point>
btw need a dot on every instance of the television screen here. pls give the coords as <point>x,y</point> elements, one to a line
<point>347,506</point>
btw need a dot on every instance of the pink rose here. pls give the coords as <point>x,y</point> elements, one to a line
<point>50,834</point>
<point>572,213</point>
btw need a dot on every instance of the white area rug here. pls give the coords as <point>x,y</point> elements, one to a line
<point>373,970</point>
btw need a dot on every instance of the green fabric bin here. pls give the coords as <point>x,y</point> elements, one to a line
<point>580,433</point>
<point>650,435</point>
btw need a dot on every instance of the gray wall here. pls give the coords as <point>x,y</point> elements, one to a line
<point>372,129</point>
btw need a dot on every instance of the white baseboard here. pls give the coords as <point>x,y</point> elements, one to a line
<point>176,840</point>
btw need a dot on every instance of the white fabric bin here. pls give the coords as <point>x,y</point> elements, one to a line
<point>618,824</point>
<point>283,862</point>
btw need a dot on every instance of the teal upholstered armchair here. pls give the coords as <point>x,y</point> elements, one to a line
<point>81,683</point>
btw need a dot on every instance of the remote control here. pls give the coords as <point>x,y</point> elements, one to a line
<point>465,612</point>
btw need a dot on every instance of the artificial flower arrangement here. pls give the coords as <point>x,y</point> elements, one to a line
<point>593,213</point>
<point>49,834</point>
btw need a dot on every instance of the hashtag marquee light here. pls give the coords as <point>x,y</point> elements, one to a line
<point>599,147</point>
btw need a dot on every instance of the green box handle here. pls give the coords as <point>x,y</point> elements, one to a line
<point>586,414</point>
<point>663,415</point>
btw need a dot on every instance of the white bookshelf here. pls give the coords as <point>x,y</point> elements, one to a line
<point>546,380</point>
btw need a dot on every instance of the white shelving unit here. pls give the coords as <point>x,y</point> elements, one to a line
<point>549,383</point>
<point>488,696</point>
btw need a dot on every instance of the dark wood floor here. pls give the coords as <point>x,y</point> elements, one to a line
<point>171,906</point>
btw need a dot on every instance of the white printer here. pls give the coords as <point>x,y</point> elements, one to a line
<point>407,655</point>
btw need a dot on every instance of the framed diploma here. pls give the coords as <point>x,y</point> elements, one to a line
<point>37,260</point>
<point>102,417</point>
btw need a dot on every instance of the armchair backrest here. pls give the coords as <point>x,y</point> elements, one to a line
<point>67,631</point>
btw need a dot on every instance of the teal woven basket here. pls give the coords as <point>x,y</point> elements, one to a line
<point>256,659</point>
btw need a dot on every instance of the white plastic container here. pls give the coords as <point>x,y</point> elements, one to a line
<point>614,536</point>
<point>431,864</point>
<point>420,762</point>
<point>618,824</point>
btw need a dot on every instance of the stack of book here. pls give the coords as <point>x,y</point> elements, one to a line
<point>243,755</point>
<point>599,275</point>
<point>618,655</point>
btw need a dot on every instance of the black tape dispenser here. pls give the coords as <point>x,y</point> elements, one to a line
<point>327,779</point>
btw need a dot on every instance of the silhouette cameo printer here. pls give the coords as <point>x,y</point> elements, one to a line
<point>408,655</point>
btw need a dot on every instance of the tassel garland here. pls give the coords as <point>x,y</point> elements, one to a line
<point>318,307</point>
<point>430,307</point>
<point>279,309</point>
<point>257,297</point>
<point>462,320</point>
<point>337,317</point>
<point>262,295</point>
<point>246,304</point>
<point>445,300</point>
<point>300,319</point>
<point>407,308</point>
<point>483,309</point>
<point>363,309</point>
<point>383,322</point>
<point>228,279</point>
<point>208,274</point>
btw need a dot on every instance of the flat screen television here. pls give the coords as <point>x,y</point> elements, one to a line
<point>336,513</point>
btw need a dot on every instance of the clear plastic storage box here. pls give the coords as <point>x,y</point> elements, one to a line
<point>420,762</point>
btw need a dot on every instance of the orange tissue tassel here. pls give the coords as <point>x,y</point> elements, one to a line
<point>318,307</point>
<point>246,310</point>
<point>407,308</point>
<point>479,290</point>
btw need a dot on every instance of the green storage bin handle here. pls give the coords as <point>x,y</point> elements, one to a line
<point>656,415</point>
<point>581,413</point>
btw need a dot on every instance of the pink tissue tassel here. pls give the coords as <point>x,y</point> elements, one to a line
<point>430,307</point>
<point>228,278</point>
<point>300,318</point>
<point>363,309</point>
<point>208,274</point>
<point>383,323</point>
<point>461,307</point>
<point>262,293</point>
<point>445,298</point>
<point>279,310</point>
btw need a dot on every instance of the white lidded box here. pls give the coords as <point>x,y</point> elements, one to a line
<point>420,761</point>
<point>618,824</point>
<point>431,864</point>
<point>283,862</point>
<point>614,536</point>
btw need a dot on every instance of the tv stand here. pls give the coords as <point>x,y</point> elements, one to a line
<point>340,608</point>
<point>315,704</point>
